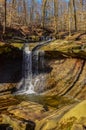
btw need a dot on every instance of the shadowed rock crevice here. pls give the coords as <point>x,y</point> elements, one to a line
<point>5,127</point>
<point>10,64</point>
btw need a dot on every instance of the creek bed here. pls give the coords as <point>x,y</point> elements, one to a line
<point>53,101</point>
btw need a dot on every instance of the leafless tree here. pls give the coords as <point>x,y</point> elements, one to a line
<point>43,12</point>
<point>56,16</point>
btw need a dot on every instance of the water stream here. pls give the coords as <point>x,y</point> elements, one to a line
<point>32,76</point>
<point>27,70</point>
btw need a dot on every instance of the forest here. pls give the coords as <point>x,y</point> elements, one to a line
<point>43,17</point>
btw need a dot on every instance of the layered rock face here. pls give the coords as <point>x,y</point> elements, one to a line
<point>66,73</point>
<point>65,76</point>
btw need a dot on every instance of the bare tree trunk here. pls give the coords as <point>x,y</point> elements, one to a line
<point>82,17</point>
<point>11,13</point>
<point>75,17</point>
<point>56,17</point>
<point>61,18</point>
<point>43,12</point>
<point>25,11</point>
<point>5,12</point>
<point>69,9</point>
<point>32,11</point>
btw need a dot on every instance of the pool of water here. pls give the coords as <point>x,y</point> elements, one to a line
<point>53,101</point>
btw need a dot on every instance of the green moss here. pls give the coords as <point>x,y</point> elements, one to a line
<point>34,38</point>
<point>53,101</point>
<point>4,49</point>
<point>18,45</point>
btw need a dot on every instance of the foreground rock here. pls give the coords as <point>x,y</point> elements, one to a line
<point>33,116</point>
<point>75,119</point>
<point>6,100</point>
<point>77,112</point>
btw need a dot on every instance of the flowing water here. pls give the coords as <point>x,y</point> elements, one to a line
<point>27,70</point>
<point>32,76</point>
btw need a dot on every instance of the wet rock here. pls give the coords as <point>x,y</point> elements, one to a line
<point>33,115</point>
<point>5,102</point>
<point>25,110</point>
<point>7,88</point>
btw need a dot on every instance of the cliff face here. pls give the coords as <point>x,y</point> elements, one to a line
<point>67,75</point>
<point>64,68</point>
<point>64,74</point>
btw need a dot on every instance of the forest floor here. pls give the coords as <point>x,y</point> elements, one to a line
<point>37,33</point>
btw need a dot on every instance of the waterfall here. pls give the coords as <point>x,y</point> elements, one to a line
<point>32,78</point>
<point>27,58</point>
<point>26,82</point>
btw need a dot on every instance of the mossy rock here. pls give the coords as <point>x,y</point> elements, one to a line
<point>34,38</point>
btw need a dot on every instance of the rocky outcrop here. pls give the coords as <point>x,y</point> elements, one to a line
<point>64,74</point>
<point>67,73</point>
<point>74,49</point>
<point>33,116</point>
<point>75,118</point>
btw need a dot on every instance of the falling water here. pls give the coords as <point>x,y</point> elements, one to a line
<point>32,80</point>
<point>27,86</point>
